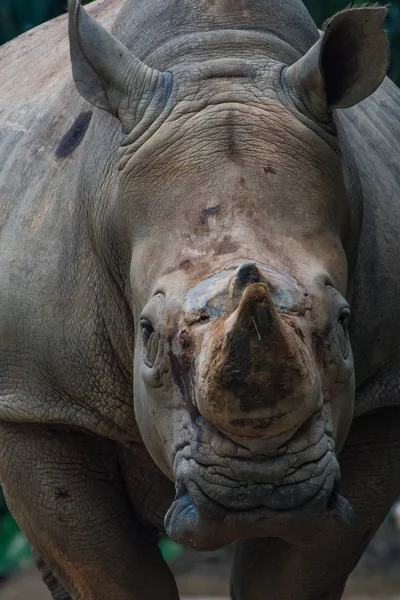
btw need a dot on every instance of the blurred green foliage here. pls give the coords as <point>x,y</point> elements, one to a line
<point>15,553</point>
<point>17,16</point>
<point>170,550</point>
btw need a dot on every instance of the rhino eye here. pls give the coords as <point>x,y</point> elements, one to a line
<point>344,341</point>
<point>147,329</point>
<point>344,319</point>
<point>151,341</point>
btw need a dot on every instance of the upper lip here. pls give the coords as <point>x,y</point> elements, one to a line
<point>202,433</point>
<point>332,487</point>
<point>233,477</point>
<point>242,484</point>
<point>285,481</point>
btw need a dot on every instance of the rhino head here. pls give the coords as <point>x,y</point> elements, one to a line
<point>251,374</point>
<point>234,226</point>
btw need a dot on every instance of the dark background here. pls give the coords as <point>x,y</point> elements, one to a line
<point>17,16</point>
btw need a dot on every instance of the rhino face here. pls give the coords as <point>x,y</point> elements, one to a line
<point>243,380</point>
<point>259,376</point>
<point>237,224</point>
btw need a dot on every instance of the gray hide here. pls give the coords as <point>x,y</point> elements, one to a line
<point>200,201</point>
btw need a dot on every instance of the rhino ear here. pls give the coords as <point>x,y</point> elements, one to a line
<point>105,72</point>
<point>346,65</point>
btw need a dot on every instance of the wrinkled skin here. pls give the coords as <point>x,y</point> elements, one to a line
<point>177,282</point>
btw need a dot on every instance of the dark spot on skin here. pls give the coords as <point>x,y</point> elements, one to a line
<point>207,212</point>
<point>242,180</point>
<point>62,493</point>
<point>268,170</point>
<point>246,209</point>
<point>226,246</point>
<point>74,136</point>
<point>185,265</point>
<point>200,267</point>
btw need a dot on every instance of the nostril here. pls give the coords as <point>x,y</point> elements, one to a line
<point>204,316</point>
<point>247,274</point>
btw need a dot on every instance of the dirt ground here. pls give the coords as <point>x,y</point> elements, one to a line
<point>205,575</point>
<point>29,587</point>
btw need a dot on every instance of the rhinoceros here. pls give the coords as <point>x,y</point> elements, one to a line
<point>186,226</point>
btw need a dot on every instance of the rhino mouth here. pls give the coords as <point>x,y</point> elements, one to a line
<point>222,498</point>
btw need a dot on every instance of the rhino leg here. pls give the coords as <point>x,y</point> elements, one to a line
<point>56,590</point>
<point>370,463</point>
<point>65,490</point>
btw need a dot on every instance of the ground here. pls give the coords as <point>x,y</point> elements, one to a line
<point>30,587</point>
<point>203,576</point>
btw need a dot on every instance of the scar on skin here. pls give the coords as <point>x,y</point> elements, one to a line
<point>269,170</point>
<point>74,136</point>
<point>171,270</point>
<point>226,245</point>
<point>209,212</point>
<point>184,265</point>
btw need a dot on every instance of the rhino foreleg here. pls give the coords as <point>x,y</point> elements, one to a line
<point>56,590</point>
<point>65,490</point>
<point>370,464</point>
